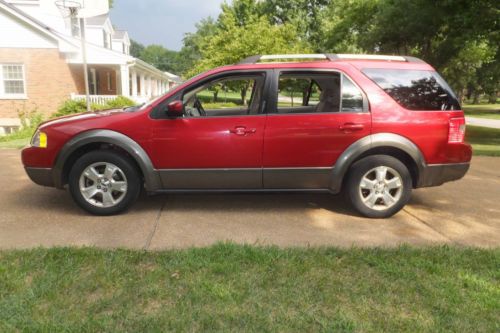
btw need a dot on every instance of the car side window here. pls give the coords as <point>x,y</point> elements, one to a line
<point>318,93</point>
<point>352,97</point>
<point>230,96</point>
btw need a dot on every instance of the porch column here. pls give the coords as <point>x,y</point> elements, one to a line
<point>143,85</point>
<point>134,83</point>
<point>150,86</point>
<point>125,80</point>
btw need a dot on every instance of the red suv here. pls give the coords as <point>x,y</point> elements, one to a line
<point>372,126</point>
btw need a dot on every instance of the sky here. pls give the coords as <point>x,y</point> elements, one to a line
<point>161,22</point>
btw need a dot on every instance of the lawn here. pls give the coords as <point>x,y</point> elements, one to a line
<point>485,141</point>
<point>15,143</point>
<point>251,289</point>
<point>491,111</point>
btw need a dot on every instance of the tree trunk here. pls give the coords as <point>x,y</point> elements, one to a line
<point>492,98</point>
<point>243,96</point>
<point>475,99</point>
<point>216,96</point>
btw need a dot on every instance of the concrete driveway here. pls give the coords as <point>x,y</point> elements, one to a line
<point>466,212</point>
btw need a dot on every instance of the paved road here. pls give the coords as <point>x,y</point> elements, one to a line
<point>466,212</point>
<point>483,122</point>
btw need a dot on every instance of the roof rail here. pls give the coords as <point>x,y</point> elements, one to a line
<point>329,56</point>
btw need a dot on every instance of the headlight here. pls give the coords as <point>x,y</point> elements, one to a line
<point>39,140</point>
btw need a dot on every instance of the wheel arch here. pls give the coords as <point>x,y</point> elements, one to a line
<point>96,139</point>
<point>379,144</point>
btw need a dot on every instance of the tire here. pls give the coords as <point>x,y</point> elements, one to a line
<point>104,182</point>
<point>376,193</point>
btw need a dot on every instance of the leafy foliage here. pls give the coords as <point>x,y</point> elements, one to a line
<point>459,38</point>
<point>79,106</point>
<point>234,41</point>
<point>30,119</point>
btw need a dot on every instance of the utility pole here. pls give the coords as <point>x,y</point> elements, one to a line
<point>84,60</point>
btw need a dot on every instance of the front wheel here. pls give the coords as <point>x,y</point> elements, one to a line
<point>379,186</point>
<point>104,182</point>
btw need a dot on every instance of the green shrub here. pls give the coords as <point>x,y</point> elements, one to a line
<point>30,119</point>
<point>79,106</point>
<point>70,107</point>
<point>120,102</point>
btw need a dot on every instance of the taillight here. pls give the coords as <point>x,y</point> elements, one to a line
<point>456,133</point>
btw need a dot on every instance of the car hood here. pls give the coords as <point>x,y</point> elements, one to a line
<point>81,116</point>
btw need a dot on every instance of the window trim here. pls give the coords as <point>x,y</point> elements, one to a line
<point>273,108</point>
<point>157,112</point>
<point>4,95</point>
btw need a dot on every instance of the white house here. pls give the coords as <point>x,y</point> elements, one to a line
<point>41,63</point>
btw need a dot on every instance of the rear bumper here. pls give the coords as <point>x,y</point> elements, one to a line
<point>437,174</point>
<point>40,176</point>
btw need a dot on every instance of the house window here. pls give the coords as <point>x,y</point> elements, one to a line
<point>108,77</point>
<point>105,38</point>
<point>75,26</point>
<point>12,82</point>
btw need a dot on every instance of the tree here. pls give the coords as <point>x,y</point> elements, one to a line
<point>136,49</point>
<point>192,44</point>
<point>233,42</point>
<point>160,57</point>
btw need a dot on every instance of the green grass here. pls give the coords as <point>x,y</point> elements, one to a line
<point>15,143</point>
<point>485,141</point>
<point>251,289</point>
<point>491,111</point>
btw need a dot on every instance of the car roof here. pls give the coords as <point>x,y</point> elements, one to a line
<point>325,64</point>
<point>328,61</point>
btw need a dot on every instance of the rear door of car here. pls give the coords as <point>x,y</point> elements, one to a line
<point>313,117</point>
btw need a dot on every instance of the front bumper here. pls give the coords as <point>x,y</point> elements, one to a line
<point>40,176</point>
<point>437,174</point>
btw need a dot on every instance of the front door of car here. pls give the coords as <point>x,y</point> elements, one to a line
<point>217,143</point>
<point>317,116</point>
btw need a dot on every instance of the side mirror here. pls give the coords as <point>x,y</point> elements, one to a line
<point>175,109</point>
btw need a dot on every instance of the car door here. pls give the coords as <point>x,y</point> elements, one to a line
<point>317,115</point>
<point>218,142</point>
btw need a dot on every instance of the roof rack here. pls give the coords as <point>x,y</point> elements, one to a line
<point>328,56</point>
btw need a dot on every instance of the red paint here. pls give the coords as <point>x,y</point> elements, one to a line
<point>307,140</point>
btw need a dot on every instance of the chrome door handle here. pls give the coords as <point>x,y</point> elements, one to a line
<point>350,127</point>
<point>241,130</point>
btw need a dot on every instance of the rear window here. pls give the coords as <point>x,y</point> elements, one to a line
<point>415,89</point>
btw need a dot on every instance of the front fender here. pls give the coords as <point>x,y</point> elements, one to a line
<point>151,177</point>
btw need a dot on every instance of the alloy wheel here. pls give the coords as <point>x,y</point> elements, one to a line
<point>103,184</point>
<point>381,188</point>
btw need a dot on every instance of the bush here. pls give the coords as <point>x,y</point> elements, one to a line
<point>120,102</point>
<point>70,107</point>
<point>30,119</point>
<point>79,106</point>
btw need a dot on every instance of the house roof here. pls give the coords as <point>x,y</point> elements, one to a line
<point>97,20</point>
<point>119,34</point>
<point>64,43</point>
<point>72,45</point>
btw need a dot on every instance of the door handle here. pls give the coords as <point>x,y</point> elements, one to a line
<point>350,127</point>
<point>241,130</point>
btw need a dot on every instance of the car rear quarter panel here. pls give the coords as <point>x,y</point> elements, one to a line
<point>427,129</point>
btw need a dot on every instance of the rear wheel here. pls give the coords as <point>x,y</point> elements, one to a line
<point>379,186</point>
<point>104,182</point>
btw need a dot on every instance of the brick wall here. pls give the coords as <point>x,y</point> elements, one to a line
<point>49,80</point>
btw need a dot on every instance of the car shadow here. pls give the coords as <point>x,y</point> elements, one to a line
<point>53,200</point>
